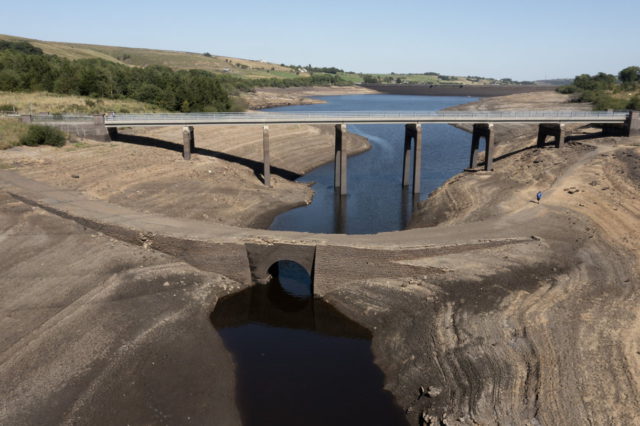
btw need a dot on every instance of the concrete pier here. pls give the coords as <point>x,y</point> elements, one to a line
<point>188,142</point>
<point>113,133</point>
<point>482,130</point>
<point>340,163</point>
<point>266,161</point>
<point>412,131</point>
<point>633,123</point>
<point>551,129</point>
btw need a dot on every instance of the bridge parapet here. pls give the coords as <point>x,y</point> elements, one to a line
<point>262,118</point>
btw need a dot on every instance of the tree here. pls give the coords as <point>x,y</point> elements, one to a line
<point>630,74</point>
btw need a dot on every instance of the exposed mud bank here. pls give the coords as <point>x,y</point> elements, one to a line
<point>538,333</point>
<point>269,97</point>
<point>535,330</point>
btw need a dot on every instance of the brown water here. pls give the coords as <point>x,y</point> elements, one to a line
<point>298,360</point>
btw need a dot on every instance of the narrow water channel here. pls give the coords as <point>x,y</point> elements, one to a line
<point>376,201</point>
<point>298,360</point>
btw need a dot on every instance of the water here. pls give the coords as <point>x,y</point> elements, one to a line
<point>298,360</point>
<point>376,201</point>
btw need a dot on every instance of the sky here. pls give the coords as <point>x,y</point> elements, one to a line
<point>522,40</point>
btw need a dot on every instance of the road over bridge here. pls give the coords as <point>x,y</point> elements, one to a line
<point>551,123</point>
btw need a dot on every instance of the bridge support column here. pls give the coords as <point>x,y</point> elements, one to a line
<point>482,130</point>
<point>551,129</point>
<point>475,146</point>
<point>113,133</point>
<point>266,164</point>
<point>412,131</point>
<point>633,123</point>
<point>488,151</point>
<point>406,164</point>
<point>340,164</point>
<point>188,142</point>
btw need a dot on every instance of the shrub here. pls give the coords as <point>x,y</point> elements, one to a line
<point>8,108</point>
<point>43,135</point>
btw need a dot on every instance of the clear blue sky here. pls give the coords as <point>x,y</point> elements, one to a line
<point>499,38</point>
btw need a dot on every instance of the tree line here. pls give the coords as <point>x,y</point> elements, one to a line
<point>607,91</point>
<point>24,67</point>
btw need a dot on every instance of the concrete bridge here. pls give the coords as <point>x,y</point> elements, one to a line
<point>551,124</point>
<point>251,255</point>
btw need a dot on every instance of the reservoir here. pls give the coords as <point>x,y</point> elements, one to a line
<point>298,360</point>
<point>376,201</point>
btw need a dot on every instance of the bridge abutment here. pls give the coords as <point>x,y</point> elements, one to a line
<point>482,130</point>
<point>412,131</point>
<point>266,159</point>
<point>551,129</point>
<point>340,163</point>
<point>188,142</point>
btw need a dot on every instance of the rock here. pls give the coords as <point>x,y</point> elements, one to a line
<point>433,391</point>
<point>75,176</point>
<point>421,390</point>
<point>535,237</point>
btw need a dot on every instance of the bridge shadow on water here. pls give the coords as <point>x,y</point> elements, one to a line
<point>254,165</point>
<point>298,360</point>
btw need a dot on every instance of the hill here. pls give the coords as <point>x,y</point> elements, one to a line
<point>139,57</point>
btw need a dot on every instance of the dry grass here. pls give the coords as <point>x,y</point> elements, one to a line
<point>11,130</point>
<point>36,102</point>
<point>172,59</point>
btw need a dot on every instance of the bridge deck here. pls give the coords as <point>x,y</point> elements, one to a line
<point>448,117</point>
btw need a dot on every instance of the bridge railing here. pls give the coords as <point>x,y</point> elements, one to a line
<point>360,115</point>
<point>44,118</point>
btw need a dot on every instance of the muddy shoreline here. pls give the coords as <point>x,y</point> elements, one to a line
<point>540,330</point>
<point>266,97</point>
<point>456,90</point>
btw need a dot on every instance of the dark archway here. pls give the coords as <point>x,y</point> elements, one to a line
<point>263,257</point>
<point>290,285</point>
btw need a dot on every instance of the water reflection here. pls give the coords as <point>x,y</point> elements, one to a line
<point>377,201</point>
<point>299,360</point>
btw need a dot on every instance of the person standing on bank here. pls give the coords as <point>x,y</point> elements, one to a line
<point>539,196</point>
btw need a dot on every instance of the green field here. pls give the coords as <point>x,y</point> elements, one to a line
<point>427,78</point>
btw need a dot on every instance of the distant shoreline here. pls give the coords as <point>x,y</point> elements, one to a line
<point>455,89</point>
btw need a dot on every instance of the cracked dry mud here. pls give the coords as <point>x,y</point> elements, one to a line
<point>542,330</point>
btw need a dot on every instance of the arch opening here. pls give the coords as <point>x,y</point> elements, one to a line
<point>292,278</point>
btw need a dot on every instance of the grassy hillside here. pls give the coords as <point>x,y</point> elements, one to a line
<point>55,103</point>
<point>176,60</point>
<point>244,68</point>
